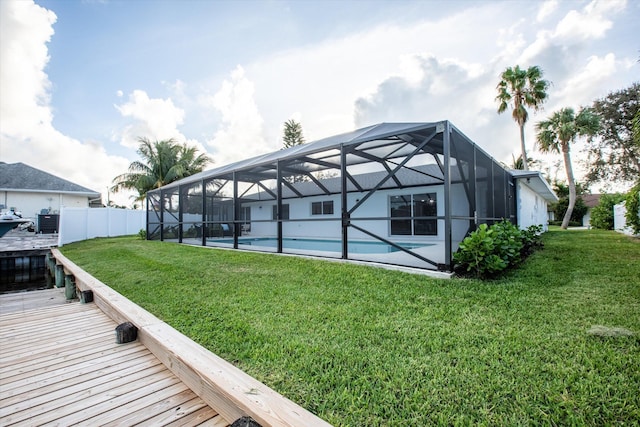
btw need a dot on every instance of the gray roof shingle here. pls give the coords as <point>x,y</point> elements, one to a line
<point>21,177</point>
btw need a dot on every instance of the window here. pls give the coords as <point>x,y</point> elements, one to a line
<point>409,206</point>
<point>285,212</point>
<point>322,208</point>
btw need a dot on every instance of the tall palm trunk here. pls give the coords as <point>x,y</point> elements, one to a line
<point>572,185</point>
<point>525,164</point>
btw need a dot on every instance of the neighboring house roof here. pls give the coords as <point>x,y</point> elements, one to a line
<point>24,178</point>
<point>591,200</point>
<point>536,182</point>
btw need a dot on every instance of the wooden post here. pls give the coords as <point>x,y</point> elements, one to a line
<point>86,297</point>
<point>126,332</point>
<point>59,276</point>
<point>245,422</point>
<point>69,287</point>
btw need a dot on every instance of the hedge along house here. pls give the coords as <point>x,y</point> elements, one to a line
<point>404,194</point>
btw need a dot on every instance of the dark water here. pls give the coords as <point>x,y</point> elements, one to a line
<point>24,273</point>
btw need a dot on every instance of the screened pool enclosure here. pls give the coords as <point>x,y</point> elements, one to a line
<point>395,193</point>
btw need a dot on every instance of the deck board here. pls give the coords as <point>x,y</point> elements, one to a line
<point>59,364</point>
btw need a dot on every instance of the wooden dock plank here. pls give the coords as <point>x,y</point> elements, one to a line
<point>228,390</point>
<point>46,402</point>
<point>61,365</point>
<point>37,395</point>
<point>163,412</point>
<point>97,406</point>
<point>201,417</point>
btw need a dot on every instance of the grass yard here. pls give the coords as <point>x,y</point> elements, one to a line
<point>361,346</point>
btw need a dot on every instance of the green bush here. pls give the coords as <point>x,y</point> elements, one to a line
<point>531,239</point>
<point>579,210</point>
<point>602,214</point>
<point>477,253</point>
<point>508,242</point>
<point>489,250</point>
<point>142,234</point>
<point>632,205</point>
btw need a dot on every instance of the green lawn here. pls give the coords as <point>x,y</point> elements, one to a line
<point>361,346</point>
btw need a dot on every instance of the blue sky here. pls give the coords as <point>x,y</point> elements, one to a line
<point>82,80</point>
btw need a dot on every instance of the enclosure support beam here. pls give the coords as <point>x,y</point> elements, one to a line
<point>267,190</point>
<point>204,213</point>
<point>400,165</point>
<point>181,190</point>
<point>236,212</point>
<point>446,140</point>
<point>343,208</point>
<point>318,183</point>
<point>279,203</point>
<point>390,243</point>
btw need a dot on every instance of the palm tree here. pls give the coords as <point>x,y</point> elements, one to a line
<point>557,133</point>
<point>163,162</point>
<point>518,164</point>
<point>519,89</point>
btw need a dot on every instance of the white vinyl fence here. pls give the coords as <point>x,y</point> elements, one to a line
<point>619,220</point>
<point>78,224</point>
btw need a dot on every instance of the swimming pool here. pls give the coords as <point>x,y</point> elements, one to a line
<point>322,245</point>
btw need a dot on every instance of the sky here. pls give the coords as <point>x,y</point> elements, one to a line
<point>81,81</point>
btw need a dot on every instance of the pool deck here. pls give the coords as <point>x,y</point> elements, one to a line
<point>397,261</point>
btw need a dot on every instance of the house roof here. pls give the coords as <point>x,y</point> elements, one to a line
<point>388,140</point>
<point>383,141</point>
<point>21,177</point>
<point>409,177</point>
<point>591,200</point>
<point>535,181</point>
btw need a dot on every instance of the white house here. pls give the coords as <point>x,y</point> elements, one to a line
<point>404,194</point>
<point>34,192</point>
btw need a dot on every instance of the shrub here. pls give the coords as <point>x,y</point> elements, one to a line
<point>632,205</point>
<point>508,241</point>
<point>531,239</point>
<point>142,234</point>
<point>489,250</point>
<point>602,214</point>
<point>477,253</point>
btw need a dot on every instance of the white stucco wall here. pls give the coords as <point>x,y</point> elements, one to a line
<point>31,203</point>
<point>330,226</point>
<point>532,208</point>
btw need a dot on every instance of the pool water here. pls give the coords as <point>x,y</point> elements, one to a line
<point>358,247</point>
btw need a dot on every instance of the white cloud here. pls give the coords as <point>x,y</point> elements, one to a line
<point>449,90</point>
<point>546,9</point>
<point>24,86</point>
<point>156,119</point>
<point>585,86</point>
<point>323,80</point>
<point>27,134</point>
<point>241,134</point>
<point>590,23</point>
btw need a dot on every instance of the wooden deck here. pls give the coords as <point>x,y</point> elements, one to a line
<point>60,364</point>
